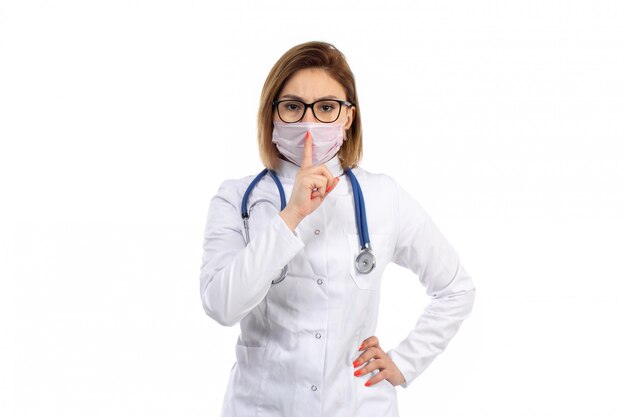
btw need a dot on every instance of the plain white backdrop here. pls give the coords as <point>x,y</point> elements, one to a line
<point>119,119</point>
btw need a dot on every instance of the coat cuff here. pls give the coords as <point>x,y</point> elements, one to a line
<point>403,365</point>
<point>289,240</point>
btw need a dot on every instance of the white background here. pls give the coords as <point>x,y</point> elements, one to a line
<point>118,121</point>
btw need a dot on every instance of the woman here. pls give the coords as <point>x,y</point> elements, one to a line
<point>306,327</point>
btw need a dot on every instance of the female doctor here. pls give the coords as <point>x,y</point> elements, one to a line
<point>296,255</point>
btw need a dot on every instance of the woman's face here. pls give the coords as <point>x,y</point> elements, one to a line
<point>311,84</point>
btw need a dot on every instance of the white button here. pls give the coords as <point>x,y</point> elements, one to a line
<point>320,281</point>
<point>313,388</point>
<point>318,335</point>
<point>317,231</point>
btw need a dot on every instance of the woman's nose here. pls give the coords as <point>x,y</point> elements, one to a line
<point>308,115</point>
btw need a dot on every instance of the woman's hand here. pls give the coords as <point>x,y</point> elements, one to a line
<point>312,184</point>
<point>388,369</point>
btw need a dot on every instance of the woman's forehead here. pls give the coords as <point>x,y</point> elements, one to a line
<point>312,84</point>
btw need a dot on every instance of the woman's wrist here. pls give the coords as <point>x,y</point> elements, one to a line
<point>291,219</point>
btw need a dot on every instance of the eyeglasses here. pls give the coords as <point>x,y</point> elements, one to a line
<point>326,110</point>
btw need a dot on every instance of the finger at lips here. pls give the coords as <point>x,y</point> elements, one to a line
<point>307,157</point>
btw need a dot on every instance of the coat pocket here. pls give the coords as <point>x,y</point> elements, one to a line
<point>379,243</point>
<point>250,363</point>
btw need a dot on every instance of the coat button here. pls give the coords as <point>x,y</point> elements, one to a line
<point>320,281</point>
<point>317,335</point>
<point>317,231</point>
<point>313,388</point>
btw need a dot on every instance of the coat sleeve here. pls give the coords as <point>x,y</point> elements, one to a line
<point>234,278</point>
<point>423,249</point>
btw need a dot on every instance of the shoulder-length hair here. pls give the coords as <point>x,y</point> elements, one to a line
<point>309,55</point>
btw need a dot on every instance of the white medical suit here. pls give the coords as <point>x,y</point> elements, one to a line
<point>299,337</point>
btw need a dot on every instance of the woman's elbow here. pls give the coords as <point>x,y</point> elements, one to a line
<point>219,314</point>
<point>212,304</point>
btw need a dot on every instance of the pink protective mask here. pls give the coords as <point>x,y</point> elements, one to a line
<point>289,139</point>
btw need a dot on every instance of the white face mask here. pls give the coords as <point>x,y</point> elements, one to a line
<point>289,139</point>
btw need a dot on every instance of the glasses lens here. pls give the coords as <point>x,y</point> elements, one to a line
<point>290,111</point>
<point>327,110</point>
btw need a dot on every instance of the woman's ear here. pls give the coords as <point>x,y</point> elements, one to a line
<point>349,118</point>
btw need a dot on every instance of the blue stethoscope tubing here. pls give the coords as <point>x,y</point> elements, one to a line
<point>364,262</point>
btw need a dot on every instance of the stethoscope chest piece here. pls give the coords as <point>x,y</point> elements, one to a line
<point>365,261</point>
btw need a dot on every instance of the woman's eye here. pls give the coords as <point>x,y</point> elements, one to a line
<point>326,107</point>
<point>291,106</point>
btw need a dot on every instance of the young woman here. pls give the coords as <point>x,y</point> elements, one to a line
<point>296,255</point>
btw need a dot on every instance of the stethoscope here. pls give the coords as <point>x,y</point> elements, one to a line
<point>365,260</point>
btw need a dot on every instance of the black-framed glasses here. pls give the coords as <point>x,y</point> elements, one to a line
<point>326,110</point>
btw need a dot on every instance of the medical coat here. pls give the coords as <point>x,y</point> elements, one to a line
<point>299,337</point>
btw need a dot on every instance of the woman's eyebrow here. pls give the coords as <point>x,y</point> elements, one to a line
<point>301,99</point>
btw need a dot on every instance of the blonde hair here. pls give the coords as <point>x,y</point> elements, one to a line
<point>309,55</point>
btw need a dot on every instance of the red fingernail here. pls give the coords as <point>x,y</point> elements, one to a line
<point>357,373</point>
<point>356,363</point>
<point>368,383</point>
<point>332,187</point>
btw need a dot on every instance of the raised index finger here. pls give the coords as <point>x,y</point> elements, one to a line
<point>307,158</point>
